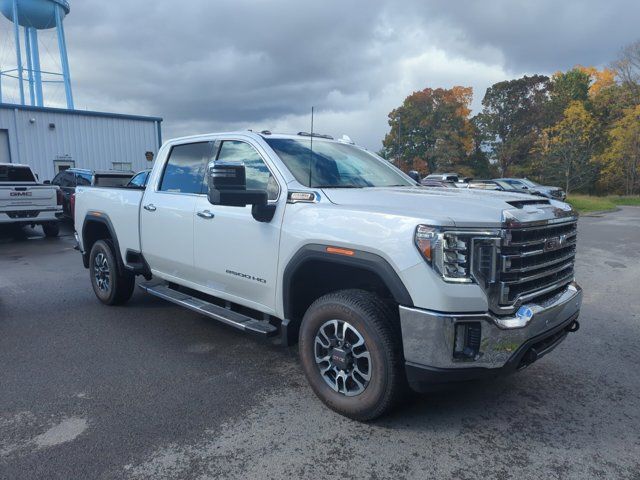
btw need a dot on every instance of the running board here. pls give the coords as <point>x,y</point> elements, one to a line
<point>211,310</point>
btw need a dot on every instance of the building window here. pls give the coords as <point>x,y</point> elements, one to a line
<point>122,166</point>
<point>63,162</point>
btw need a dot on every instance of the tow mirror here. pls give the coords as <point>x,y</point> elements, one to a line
<point>227,186</point>
<point>415,175</point>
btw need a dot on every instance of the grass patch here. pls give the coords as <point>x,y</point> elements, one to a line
<point>587,203</point>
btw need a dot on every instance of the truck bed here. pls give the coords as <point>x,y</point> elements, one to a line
<point>118,207</point>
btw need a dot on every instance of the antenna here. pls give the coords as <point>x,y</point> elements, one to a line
<point>311,151</point>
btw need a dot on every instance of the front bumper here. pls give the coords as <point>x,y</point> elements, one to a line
<point>507,343</point>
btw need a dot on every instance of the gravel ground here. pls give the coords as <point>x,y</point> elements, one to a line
<point>151,391</point>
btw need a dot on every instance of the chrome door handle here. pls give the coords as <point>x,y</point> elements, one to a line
<point>205,214</point>
<point>151,207</point>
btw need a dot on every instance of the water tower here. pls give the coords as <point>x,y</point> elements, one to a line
<point>34,15</point>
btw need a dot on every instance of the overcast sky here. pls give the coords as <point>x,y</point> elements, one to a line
<point>208,65</point>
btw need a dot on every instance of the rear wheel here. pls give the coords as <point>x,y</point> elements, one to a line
<point>51,229</point>
<point>350,350</point>
<point>110,286</point>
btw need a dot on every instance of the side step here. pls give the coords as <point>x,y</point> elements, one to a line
<point>224,315</point>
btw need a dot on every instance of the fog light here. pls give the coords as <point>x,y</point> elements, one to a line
<point>466,345</point>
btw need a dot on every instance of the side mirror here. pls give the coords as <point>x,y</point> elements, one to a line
<point>415,175</point>
<point>227,186</point>
<point>47,182</point>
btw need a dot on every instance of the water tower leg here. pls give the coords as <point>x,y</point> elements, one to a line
<point>62,46</point>
<point>36,66</point>
<point>16,33</point>
<point>27,47</point>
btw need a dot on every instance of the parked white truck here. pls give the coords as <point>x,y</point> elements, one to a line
<point>24,201</point>
<point>383,283</point>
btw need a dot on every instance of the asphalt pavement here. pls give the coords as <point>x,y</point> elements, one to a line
<point>152,391</point>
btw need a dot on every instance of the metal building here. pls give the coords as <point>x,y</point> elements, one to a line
<point>53,139</point>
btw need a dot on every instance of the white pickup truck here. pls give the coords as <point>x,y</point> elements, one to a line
<point>383,283</point>
<point>24,201</point>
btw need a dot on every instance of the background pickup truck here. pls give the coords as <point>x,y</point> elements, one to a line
<point>382,282</point>
<point>23,201</point>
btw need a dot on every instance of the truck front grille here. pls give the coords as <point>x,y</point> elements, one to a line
<point>535,261</point>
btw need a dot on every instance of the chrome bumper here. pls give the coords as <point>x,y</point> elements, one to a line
<point>428,337</point>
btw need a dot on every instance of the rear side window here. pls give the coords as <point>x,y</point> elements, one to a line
<point>16,174</point>
<point>184,172</point>
<point>140,180</point>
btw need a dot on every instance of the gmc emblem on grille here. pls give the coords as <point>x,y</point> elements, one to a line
<point>555,243</point>
<point>20,194</point>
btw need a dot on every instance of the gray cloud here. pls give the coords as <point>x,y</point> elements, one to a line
<point>207,66</point>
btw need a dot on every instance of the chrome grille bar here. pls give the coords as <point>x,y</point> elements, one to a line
<point>534,261</point>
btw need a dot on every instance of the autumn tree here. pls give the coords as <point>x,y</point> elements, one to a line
<point>431,131</point>
<point>568,146</point>
<point>621,160</point>
<point>512,117</point>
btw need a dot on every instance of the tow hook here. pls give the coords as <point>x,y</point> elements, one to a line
<point>573,327</point>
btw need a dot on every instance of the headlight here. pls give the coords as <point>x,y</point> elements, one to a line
<point>458,255</point>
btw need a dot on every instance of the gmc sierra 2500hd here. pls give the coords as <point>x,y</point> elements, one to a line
<point>24,201</point>
<point>382,282</point>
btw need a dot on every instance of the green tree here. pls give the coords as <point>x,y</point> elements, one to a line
<point>512,117</point>
<point>431,130</point>
<point>567,87</point>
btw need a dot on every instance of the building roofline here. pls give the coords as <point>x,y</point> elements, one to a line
<point>88,113</point>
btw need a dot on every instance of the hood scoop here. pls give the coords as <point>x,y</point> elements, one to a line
<point>523,203</point>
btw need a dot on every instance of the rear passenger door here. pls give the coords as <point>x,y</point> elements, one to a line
<point>167,213</point>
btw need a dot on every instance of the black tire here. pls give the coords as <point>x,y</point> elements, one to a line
<point>117,288</point>
<point>51,229</point>
<point>378,324</point>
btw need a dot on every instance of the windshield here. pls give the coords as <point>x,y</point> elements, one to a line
<point>335,165</point>
<point>15,174</point>
<point>504,184</point>
<point>529,183</point>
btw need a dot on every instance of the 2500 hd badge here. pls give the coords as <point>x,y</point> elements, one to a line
<point>247,276</point>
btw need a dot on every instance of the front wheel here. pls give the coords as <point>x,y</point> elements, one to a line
<point>110,286</point>
<point>351,353</point>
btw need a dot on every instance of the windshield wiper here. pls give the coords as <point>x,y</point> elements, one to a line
<point>336,186</point>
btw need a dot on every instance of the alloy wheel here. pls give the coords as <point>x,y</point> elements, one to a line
<point>101,272</point>
<point>342,357</point>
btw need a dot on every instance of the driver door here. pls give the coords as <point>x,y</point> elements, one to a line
<point>235,256</point>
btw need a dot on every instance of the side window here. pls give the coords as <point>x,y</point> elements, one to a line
<point>57,179</point>
<point>67,179</point>
<point>258,175</point>
<point>184,172</point>
<point>83,179</point>
<point>140,180</point>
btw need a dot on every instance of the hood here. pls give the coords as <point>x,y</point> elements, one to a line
<point>457,207</point>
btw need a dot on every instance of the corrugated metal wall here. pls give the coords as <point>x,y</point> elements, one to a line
<point>91,140</point>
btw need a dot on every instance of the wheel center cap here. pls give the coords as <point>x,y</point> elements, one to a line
<point>341,358</point>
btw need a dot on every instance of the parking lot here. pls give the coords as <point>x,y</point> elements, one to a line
<point>149,390</point>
